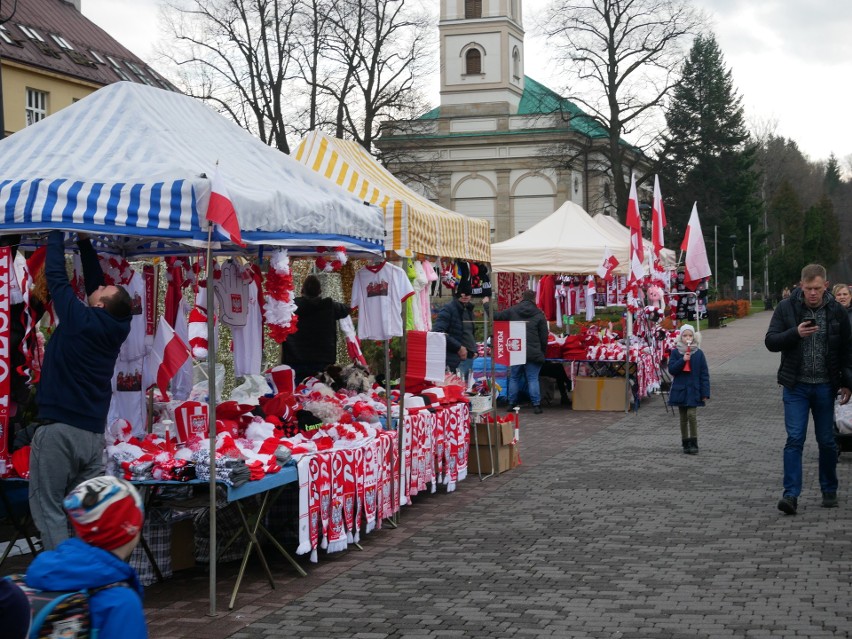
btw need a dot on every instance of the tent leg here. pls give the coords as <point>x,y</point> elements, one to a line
<point>211,411</point>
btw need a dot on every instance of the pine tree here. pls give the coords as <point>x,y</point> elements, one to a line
<point>788,258</point>
<point>832,175</point>
<point>821,233</point>
<point>708,157</point>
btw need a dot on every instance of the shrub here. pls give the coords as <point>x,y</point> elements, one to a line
<point>730,308</point>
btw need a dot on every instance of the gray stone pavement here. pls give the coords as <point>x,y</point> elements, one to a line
<point>606,530</point>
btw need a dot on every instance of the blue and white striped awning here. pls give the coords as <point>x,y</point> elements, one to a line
<point>132,162</point>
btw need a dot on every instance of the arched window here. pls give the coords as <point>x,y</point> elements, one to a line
<point>472,8</point>
<point>472,62</point>
<point>516,63</point>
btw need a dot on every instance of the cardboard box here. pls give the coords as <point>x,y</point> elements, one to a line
<point>481,462</point>
<point>183,545</point>
<point>514,455</point>
<point>501,434</point>
<point>599,393</point>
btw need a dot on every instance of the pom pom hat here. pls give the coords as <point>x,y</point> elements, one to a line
<point>105,511</point>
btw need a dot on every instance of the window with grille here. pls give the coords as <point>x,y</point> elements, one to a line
<point>472,8</point>
<point>472,62</point>
<point>36,106</point>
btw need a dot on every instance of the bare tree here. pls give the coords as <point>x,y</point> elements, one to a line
<point>236,54</point>
<point>622,59</point>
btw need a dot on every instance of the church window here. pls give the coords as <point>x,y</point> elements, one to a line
<point>472,9</point>
<point>472,62</point>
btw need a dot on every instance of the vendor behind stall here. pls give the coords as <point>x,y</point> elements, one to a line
<point>313,347</point>
<point>75,389</point>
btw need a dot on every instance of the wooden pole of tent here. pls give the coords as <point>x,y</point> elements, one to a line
<point>211,412</point>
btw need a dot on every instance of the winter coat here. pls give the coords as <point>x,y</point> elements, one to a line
<point>689,388</point>
<point>116,612</point>
<point>527,311</point>
<point>79,360</point>
<point>783,336</point>
<point>450,320</point>
<point>315,339</point>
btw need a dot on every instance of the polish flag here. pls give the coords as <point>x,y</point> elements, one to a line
<point>220,210</point>
<point>608,265</point>
<point>168,354</point>
<point>510,343</point>
<point>658,219</point>
<point>634,222</point>
<point>591,290</point>
<point>427,356</point>
<point>697,265</point>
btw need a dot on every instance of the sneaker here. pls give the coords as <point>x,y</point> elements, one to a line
<point>829,500</point>
<point>788,505</point>
<point>537,410</point>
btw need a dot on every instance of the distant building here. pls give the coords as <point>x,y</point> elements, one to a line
<point>500,146</point>
<point>51,55</point>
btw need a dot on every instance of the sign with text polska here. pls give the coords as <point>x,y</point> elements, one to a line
<point>510,343</point>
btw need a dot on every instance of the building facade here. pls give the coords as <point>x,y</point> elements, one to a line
<point>500,145</point>
<point>51,55</point>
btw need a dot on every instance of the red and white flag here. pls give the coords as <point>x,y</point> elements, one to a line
<point>221,211</point>
<point>167,355</point>
<point>697,264</point>
<point>634,222</point>
<point>427,356</point>
<point>510,343</point>
<point>608,265</point>
<point>658,219</point>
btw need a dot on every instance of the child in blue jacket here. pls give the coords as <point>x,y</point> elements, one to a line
<point>690,388</point>
<point>106,513</point>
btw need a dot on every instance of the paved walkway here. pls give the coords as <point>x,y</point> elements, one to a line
<point>607,530</point>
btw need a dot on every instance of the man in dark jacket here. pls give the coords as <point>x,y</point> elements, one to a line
<point>527,311</point>
<point>812,333</point>
<point>75,388</point>
<point>313,347</point>
<point>455,319</point>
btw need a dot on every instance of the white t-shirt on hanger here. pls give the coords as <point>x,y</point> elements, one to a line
<point>378,293</point>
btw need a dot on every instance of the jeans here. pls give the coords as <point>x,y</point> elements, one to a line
<point>798,402</point>
<point>531,369</point>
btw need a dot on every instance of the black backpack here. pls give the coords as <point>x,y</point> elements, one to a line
<point>61,614</point>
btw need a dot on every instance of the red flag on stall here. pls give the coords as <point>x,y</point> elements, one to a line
<point>697,264</point>
<point>221,211</point>
<point>608,265</point>
<point>634,222</point>
<point>658,219</point>
<point>168,354</point>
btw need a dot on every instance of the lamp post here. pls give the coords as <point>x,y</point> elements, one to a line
<point>716,259</point>
<point>734,260</point>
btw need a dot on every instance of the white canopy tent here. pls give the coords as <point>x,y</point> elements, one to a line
<point>566,241</point>
<point>134,161</point>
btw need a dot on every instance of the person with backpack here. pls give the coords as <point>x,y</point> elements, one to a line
<point>106,513</point>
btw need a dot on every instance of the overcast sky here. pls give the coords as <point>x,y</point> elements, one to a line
<point>791,61</point>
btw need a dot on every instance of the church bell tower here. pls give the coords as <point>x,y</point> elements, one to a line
<point>482,57</point>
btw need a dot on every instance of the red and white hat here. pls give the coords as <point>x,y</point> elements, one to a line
<point>105,511</point>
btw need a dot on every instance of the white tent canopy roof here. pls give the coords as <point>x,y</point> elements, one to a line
<point>566,241</point>
<point>135,161</point>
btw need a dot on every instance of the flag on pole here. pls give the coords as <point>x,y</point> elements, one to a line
<point>510,343</point>
<point>658,219</point>
<point>427,356</point>
<point>697,265</point>
<point>634,222</point>
<point>166,357</point>
<point>221,211</point>
<point>608,265</point>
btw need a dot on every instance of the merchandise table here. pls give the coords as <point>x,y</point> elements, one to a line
<point>251,513</point>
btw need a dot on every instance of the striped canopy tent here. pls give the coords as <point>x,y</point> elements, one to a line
<point>414,224</point>
<point>132,164</point>
<point>616,229</point>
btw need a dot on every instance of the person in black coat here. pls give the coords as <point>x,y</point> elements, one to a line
<point>690,388</point>
<point>811,331</point>
<point>527,311</point>
<point>455,320</point>
<point>313,347</point>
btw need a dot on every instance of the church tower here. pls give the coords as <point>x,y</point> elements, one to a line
<point>482,57</point>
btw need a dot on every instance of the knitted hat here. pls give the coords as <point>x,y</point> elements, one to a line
<point>687,327</point>
<point>105,511</point>
<point>14,611</point>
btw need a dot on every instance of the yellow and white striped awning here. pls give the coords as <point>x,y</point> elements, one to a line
<point>414,224</point>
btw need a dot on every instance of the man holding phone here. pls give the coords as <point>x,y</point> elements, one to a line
<point>812,332</point>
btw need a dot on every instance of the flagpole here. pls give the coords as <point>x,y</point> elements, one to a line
<point>211,412</point>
